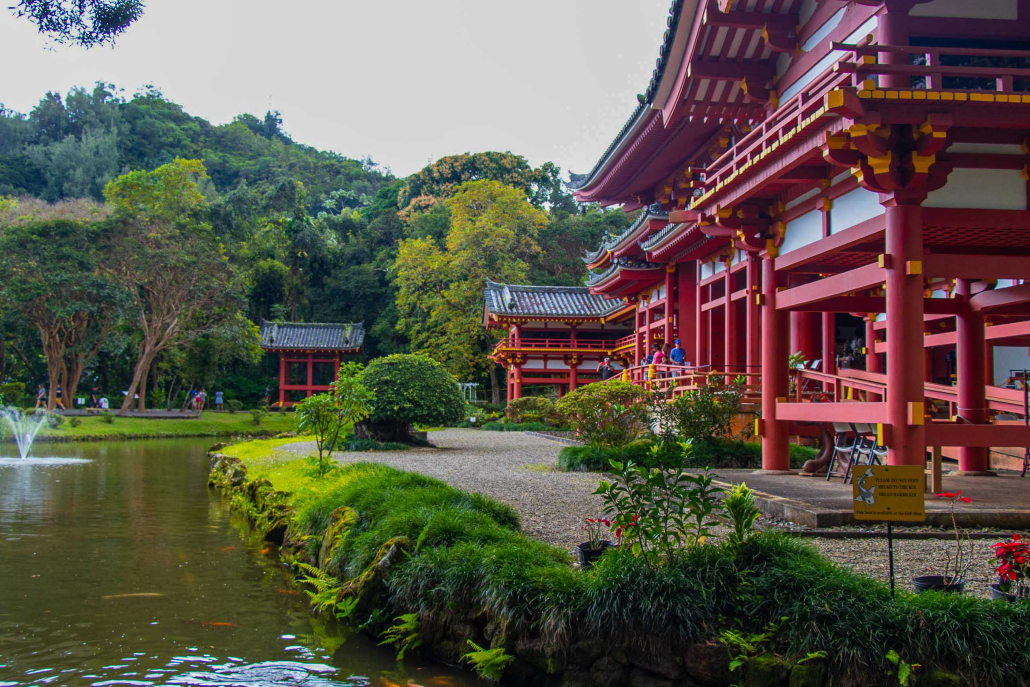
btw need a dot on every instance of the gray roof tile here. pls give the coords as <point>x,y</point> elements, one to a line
<point>547,301</point>
<point>312,335</point>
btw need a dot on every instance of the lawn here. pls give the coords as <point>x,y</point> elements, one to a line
<point>210,424</point>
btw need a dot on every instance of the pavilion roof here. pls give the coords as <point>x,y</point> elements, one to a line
<point>312,336</point>
<point>516,300</point>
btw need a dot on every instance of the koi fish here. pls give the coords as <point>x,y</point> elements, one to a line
<point>229,548</point>
<point>266,550</point>
<point>290,592</point>
<point>133,595</point>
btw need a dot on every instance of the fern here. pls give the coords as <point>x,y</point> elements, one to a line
<point>327,587</point>
<point>489,664</point>
<point>402,636</point>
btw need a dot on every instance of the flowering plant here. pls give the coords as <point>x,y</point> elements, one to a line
<point>956,567</point>
<point>596,529</point>
<point>1012,563</point>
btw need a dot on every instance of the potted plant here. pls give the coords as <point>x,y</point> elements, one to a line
<point>1012,563</point>
<point>955,566</point>
<point>595,545</point>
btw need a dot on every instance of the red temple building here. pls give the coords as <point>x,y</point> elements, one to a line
<point>309,354</point>
<point>556,335</point>
<point>845,179</point>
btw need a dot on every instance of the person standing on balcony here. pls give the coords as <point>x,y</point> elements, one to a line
<point>605,368</point>
<point>677,355</point>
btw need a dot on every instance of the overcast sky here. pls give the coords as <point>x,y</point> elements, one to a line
<point>405,81</point>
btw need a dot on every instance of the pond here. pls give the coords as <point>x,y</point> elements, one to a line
<point>128,570</point>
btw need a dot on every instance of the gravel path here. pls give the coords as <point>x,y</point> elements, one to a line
<point>517,469</point>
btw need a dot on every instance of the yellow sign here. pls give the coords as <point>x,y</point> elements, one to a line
<point>889,492</point>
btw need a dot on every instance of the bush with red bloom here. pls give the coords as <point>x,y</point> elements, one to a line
<point>596,529</point>
<point>1012,563</point>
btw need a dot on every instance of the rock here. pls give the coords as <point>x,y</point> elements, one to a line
<point>939,678</point>
<point>663,666</point>
<point>709,665</point>
<point>577,677</point>
<point>765,671</point>
<point>520,672</point>
<point>607,672</point>
<point>583,654</point>
<point>217,447</point>
<point>537,653</point>
<point>642,678</point>
<point>809,674</point>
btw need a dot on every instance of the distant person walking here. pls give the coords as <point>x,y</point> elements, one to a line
<point>60,404</point>
<point>41,397</point>
<point>202,398</point>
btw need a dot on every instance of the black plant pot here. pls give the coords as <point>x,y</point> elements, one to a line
<point>938,583</point>
<point>587,556</point>
<point>998,595</point>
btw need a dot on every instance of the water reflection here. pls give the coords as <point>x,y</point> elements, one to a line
<point>127,570</point>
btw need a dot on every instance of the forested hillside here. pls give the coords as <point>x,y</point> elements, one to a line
<point>305,235</point>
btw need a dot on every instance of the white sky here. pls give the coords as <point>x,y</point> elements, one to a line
<point>405,81</point>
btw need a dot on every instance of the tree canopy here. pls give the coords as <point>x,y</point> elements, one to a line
<point>81,22</point>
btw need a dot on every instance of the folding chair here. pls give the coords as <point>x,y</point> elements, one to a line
<point>865,446</point>
<point>844,442</point>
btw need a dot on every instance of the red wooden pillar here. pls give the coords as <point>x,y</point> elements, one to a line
<point>751,315</point>
<point>731,333</point>
<point>775,440</point>
<point>573,373</point>
<point>972,392</point>
<point>311,374</point>
<point>648,332</point>
<point>517,384</point>
<point>510,379</point>
<point>518,334</point>
<point>829,343</point>
<point>670,302</point>
<point>686,322</point>
<point>282,379</point>
<point>701,322</point>
<point>893,30</point>
<point>638,343</point>
<point>872,358</point>
<point>905,392</point>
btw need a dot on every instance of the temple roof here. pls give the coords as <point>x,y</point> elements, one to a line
<point>514,300</point>
<point>312,336</point>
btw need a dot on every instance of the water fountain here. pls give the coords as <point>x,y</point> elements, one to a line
<point>23,427</point>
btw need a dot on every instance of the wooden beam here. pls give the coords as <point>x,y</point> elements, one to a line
<point>965,434</point>
<point>842,284</point>
<point>1013,295</point>
<point>730,71</point>
<point>863,232</point>
<point>832,412</point>
<point>740,19</point>
<point>961,266</point>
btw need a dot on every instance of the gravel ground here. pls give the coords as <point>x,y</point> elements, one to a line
<point>517,469</point>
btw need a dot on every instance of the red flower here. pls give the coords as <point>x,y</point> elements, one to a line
<point>966,499</point>
<point>949,495</point>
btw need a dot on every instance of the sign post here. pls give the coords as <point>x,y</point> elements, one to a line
<point>891,493</point>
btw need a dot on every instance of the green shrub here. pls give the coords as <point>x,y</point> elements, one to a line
<point>352,443</point>
<point>708,412</point>
<point>531,409</point>
<point>233,405</point>
<point>11,392</point>
<point>726,453</point>
<point>256,416</point>
<point>107,417</point>
<point>467,558</point>
<point>408,390</point>
<point>516,426</point>
<point>598,458</point>
<point>605,414</point>
<point>54,420</point>
<point>74,422</point>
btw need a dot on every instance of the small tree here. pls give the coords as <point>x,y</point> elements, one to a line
<point>707,413</point>
<point>327,415</point>
<point>610,414</point>
<point>408,389</point>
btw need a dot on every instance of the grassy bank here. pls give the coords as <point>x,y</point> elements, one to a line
<point>93,428</point>
<point>406,543</point>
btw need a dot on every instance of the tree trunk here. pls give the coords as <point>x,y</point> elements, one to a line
<point>53,368</point>
<point>495,390</point>
<point>75,369</point>
<point>141,404</point>
<point>3,361</point>
<point>142,367</point>
<point>172,391</point>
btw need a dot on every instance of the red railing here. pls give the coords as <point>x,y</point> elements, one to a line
<point>531,344</point>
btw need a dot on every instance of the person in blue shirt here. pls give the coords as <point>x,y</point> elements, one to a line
<point>677,355</point>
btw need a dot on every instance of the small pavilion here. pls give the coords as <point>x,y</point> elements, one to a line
<point>309,354</point>
<point>556,335</point>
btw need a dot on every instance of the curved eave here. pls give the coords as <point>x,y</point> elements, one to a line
<point>601,262</point>
<point>629,243</point>
<point>622,279</point>
<point>280,349</point>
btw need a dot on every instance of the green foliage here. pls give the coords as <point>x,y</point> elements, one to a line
<point>516,426</point>
<point>904,670</point>
<point>409,389</point>
<point>75,422</point>
<point>85,23</point>
<point>742,511</point>
<point>257,415</point>
<point>489,664</point>
<point>708,412</point>
<point>599,458</point>
<point>326,415</point>
<point>233,405</point>
<point>404,636</point>
<point>610,414</point>
<point>657,512</point>
<point>353,443</point>
<point>728,453</point>
<point>326,599</point>
<point>106,417</point>
<point>531,409</point>
<point>54,420</point>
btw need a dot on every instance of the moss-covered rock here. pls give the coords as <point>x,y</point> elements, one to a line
<point>939,678</point>
<point>765,671</point>
<point>809,674</point>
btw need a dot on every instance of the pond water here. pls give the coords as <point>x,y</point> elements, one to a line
<point>128,570</point>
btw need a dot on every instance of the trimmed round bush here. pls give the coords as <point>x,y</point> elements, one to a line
<point>530,409</point>
<point>408,389</point>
